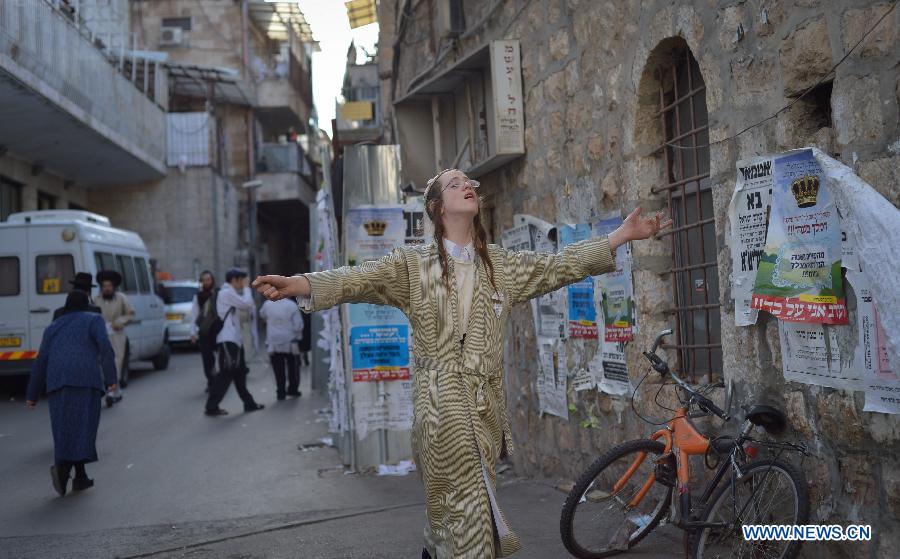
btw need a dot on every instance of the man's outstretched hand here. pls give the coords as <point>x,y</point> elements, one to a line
<point>275,288</point>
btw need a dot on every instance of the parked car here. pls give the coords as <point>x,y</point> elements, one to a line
<point>40,252</point>
<point>178,297</point>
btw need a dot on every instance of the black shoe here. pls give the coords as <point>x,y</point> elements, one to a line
<point>59,483</point>
<point>110,401</point>
<point>123,383</point>
<point>295,393</point>
<point>254,407</point>
<point>82,484</point>
<point>280,397</point>
<point>215,412</point>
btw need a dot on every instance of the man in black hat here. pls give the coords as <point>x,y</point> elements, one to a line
<point>82,282</point>
<point>117,312</point>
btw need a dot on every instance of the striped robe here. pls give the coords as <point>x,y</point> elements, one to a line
<point>460,422</point>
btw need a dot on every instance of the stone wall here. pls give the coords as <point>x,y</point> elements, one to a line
<point>175,219</point>
<point>591,97</point>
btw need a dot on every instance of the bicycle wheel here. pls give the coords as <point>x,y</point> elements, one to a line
<point>596,521</point>
<point>769,493</point>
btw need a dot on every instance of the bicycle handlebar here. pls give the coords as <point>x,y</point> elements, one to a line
<point>661,367</point>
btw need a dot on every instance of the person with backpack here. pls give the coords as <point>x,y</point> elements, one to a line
<point>233,297</point>
<point>203,318</point>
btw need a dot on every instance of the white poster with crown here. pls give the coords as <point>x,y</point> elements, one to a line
<point>798,277</point>
<point>379,335</point>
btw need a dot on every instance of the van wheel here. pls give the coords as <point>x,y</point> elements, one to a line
<point>161,360</point>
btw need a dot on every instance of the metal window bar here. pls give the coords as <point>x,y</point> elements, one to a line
<point>697,336</point>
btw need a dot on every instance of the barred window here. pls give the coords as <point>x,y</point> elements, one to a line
<point>682,110</point>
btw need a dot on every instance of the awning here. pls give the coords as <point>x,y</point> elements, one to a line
<point>275,18</point>
<point>197,81</point>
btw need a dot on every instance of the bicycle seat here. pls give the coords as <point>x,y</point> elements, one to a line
<point>769,418</point>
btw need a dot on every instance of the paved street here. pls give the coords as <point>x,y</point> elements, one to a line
<point>174,483</point>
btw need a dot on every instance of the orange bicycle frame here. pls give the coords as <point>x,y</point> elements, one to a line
<point>682,439</point>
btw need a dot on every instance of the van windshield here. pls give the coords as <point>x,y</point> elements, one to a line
<point>173,294</point>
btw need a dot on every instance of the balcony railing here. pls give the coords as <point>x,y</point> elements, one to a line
<point>283,158</point>
<point>55,55</point>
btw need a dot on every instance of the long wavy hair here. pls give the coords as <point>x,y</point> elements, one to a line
<point>434,201</point>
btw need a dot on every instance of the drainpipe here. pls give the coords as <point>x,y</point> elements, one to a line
<point>245,38</point>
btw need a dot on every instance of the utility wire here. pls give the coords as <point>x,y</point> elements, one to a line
<point>799,97</point>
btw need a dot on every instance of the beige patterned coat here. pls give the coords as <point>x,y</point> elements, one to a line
<point>460,426</point>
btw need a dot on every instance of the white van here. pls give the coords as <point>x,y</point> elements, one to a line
<point>41,251</point>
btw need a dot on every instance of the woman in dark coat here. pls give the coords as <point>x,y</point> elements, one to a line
<point>76,365</point>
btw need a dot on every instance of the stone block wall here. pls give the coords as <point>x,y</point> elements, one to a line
<point>176,220</point>
<point>592,133</point>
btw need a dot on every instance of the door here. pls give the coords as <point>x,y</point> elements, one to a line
<point>51,265</point>
<point>14,335</point>
<point>154,320</point>
<point>137,338</point>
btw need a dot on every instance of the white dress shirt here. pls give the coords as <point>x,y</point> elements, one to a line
<point>229,298</point>
<point>283,325</point>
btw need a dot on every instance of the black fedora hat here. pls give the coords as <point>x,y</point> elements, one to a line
<point>109,275</point>
<point>83,281</point>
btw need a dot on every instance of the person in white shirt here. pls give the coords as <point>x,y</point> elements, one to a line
<point>234,296</point>
<point>284,326</point>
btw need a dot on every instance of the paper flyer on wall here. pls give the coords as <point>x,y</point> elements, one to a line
<point>582,312</point>
<point>799,274</point>
<point>416,224</point>
<point>584,379</point>
<point>332,333</point>
<point>811,354</point>
<point>616,290</point>
<point>551,381</point>
<point>881,384</point>
<point>871,223</point>
<point>610,368</point>
<point>379,343</point>
<point>379,335</point>
<point>371,232</point>
<point>390,407</point>
<point>549,311</point>
<point>749,216</point>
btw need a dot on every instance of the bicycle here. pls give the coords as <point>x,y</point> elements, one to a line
<point>622,496</point>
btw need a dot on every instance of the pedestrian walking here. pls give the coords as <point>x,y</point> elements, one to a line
<point>457,293</point>
<point>83,282</point>
<point>75,365</point>
<point>203,321</point>
<point>117,312</point>
<point>233,296</point>
<point>284,326</point>
<point>304,344</point>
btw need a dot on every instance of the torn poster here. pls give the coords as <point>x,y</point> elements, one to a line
<point>584,379</point>
<point>390,407</point>
<point>749,216</point>
<point>582,312</point>
<point>881,384</point>
<point>518,238</point>
<point>616,290</point>
<point>551,381</point>
<point>873,223</point>
<point>882,396</point>
<point>812,354</point>
<point>799,275</point>
<point>614,370</point>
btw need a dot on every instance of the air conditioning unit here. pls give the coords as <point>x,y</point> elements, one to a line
<point>171,36</point>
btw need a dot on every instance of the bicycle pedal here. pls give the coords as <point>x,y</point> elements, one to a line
<point>665,474</point>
